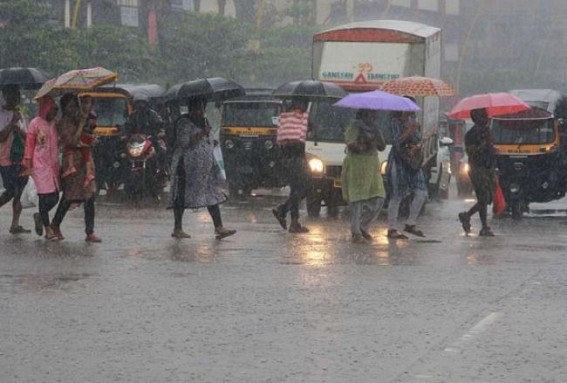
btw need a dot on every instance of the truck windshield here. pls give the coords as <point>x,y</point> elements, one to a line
<point>539,131</point>
<point>250,113</point>
<point>110,111</point>
<point>330,122</point>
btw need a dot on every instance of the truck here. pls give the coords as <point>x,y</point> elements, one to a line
<point>361,56</point>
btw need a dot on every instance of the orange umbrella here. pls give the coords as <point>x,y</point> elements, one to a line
<point>77,80</point>
<point>419,86</point>
<point>496,104</point>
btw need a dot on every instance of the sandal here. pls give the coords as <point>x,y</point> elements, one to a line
<point>413,230</point>
<point>180,234</point>
<point>394,234</point>
<point>19,230</point>
<point>223,233</point>
<point>465,222</point>
<point>486,232</point>
<point>298,229</point>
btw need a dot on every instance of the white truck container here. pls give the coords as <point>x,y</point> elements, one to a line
<point>361,56</point>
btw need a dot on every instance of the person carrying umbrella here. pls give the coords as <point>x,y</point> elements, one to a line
<point>291,136</point>
<point>194,182</point>
<point>404,176</point>
<point>12,136</point>
<point>482,160</point>
<point>363,187</point>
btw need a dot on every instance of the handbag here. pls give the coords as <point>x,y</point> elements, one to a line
<point>498,200</point>
<point>220,172</point>
<point>411,155</point>
<point>17,150</point>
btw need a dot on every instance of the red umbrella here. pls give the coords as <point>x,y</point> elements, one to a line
<point>496,104</point>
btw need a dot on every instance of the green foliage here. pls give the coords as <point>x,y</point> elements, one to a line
<point>24,12</point>
<point>194,46</point>
<point>190,46</point>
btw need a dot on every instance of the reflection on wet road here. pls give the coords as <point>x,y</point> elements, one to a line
<point>269,306</point>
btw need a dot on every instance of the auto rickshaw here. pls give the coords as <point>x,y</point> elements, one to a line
<point>112,105</point>
<point>530,158</point>
<point>248,141</point>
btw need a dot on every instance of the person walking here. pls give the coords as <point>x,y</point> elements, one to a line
<point>404,174</point>
<point>194,174</point>
<point>41,161</point>
<point>363,187</point>
<point>292,133</point>
<point>12,137</point>
<point>77,187</point>
<point>482,161</point>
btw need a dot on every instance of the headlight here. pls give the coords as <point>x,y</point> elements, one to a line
<point>268,145</point>
<point>135,151</point>
<point>316,165</point>
<point>229,144</point>
<point>383,167</point>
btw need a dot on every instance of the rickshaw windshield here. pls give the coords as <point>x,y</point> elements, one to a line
<point>525,132</point>
<point>250,114</point>
<point>110,111</point>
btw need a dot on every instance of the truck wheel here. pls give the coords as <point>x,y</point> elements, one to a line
<point>313,206</point>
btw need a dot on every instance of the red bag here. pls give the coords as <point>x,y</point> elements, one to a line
<point>498,201</point>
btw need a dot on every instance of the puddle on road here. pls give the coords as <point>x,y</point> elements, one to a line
<point>38,282</point>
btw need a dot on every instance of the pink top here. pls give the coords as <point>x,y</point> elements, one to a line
<point>43,151</point>
<point>293,126</point>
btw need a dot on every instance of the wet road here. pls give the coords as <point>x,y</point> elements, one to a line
<point>266,306</point>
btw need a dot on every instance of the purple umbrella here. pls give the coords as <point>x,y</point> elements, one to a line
<point>378,100</point>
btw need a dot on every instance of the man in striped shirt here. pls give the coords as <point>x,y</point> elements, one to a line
<point>292,133</point>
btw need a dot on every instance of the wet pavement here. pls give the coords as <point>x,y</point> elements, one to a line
<point>268,306</point>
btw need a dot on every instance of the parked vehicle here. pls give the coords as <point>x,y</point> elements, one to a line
<point>248,141</point>
<point>361,56</point>
<point>144,178</point>
<point>531,158</point>
<point>113,105</point>
<point>456,130</point>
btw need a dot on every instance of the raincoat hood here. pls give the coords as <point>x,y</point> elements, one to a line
<point>46,105</point>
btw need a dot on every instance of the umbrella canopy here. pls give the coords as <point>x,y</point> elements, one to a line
<point>378,100</point>
<point>211,89</point>
<point>311,89</point>
<point>419,86</point>
<point>496,104</point>
<point>24,77</point>
<point>77,80</point>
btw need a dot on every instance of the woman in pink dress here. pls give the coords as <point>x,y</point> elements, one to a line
<point>41,160</point>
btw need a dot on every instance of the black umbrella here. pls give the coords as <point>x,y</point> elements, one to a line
<point>211,89</point>
<point>25,77</point>
<point>310,89</point>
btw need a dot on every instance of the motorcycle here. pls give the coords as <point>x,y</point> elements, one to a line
<point>147,173</point>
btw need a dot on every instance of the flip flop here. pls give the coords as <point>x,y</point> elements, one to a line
<point>413,230</point>
<point>180,234</point>
<point>225,233</point>
<point>394,234</point>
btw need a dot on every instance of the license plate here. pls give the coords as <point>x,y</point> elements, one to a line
<point>337,183</point>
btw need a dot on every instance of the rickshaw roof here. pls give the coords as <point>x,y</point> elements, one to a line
<point>144,92</point>
<point>533,113</point>
<point>255,94</point>
<point>542,98</point>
